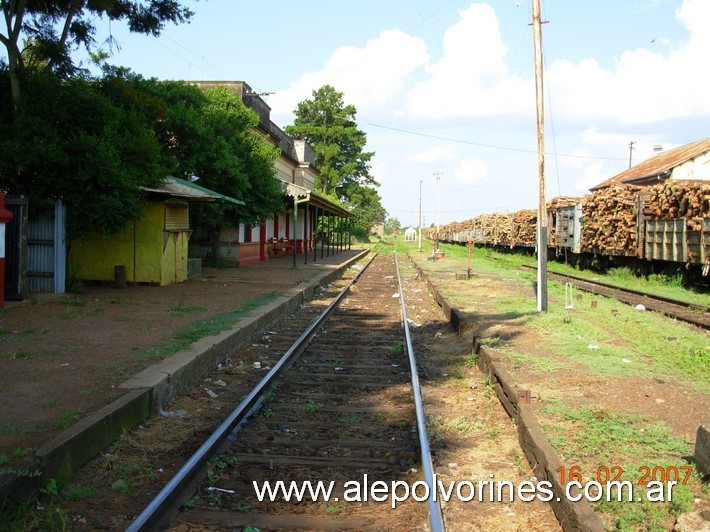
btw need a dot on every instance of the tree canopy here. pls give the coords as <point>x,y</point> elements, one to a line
<point>329,127</point>
<point>69,141</point>
<point>210,134</point>
<point>51,28</point>
<point>96,143</point>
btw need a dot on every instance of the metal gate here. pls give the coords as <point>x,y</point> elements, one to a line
<point>46,251</point>
<point>35,255</point>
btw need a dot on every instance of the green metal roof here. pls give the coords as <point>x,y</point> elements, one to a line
<point>181,188</point>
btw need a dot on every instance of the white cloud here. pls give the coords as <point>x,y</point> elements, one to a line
<point>368,77</point>
<point>472,78</point>
<point>471,171</point>
<point>645,86</point>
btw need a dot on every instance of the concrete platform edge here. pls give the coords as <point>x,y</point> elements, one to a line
<point>148,390</point>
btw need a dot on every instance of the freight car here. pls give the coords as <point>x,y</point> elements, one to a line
<point>660,229</point>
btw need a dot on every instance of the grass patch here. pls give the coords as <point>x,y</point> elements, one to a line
<point>78,312</point>
<point>79,493</point>
<point>14,429</point>
<point>123,302</point>
<point>439,426</point>
<point>587,432</point>
<point>349,420</point>
<point>538,364</point>
<point>67,418</point>
<point>628,342</point>
<point>180,309</point>
<point>612,339</point>
<point>192,332</point>
<point>21,354</point>
<point>596,439</point>
<point>313,407</point>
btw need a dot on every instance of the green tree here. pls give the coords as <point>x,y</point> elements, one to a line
<point>392,225</point>
<point>211,134</point>
<point>70,141</point>
<point>366,202</point>
<point>51,28</point>
<point>329,127</point>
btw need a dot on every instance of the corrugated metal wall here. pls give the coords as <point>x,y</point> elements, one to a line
<point>46,261</point>
<point>40,253</point>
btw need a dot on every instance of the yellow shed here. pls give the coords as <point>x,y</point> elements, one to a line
<point>154,249</point>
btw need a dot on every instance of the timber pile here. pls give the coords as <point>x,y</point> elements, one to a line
<point>503,224</point>
<point>524,228</point>
<point>681,199</point>
<point>455,227</point>
<point>610,219</point>
<point>563,201</point>
<point>492,228</point>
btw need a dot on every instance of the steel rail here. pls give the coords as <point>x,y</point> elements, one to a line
<point>435,518</point>
<point>626,290</point>
<point>154,514</point>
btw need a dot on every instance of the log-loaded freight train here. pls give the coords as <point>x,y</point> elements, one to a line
<point>627,220</point>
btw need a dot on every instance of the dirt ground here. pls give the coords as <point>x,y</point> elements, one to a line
<point>64,356</point>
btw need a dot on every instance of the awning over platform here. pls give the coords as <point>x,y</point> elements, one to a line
<point>300,193</point>
<point>180,188</point>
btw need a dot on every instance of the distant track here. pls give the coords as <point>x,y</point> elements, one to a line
<point>698,315</point>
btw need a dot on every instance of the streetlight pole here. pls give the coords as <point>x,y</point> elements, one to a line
<point>420,214</point>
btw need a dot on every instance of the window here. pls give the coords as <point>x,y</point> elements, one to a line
<point>177,217</point>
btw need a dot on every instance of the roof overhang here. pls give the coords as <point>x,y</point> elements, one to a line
<point>648,179</point>
<point>301,194</point>
<point>175,187</point>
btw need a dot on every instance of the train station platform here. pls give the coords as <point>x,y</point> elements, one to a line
<point>77,369</point>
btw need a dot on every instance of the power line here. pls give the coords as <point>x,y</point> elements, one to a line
<point>200,57</point>
<point>508,148</point>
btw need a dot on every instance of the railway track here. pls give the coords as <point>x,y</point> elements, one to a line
<point>341,407</point>
<point>673,308</point>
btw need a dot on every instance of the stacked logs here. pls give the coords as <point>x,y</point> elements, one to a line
<point>563,201</point>
<point>610,219</point>
<point>524,228</point>
<point>491,228</point>
<point>610,215</point>
<point>681,199</point>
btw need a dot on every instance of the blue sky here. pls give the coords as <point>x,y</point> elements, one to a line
<point>447,85</point>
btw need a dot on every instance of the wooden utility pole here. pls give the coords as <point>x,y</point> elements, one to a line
<point>420,213</point>
<point>437,176</point>
<point>541,211</point>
